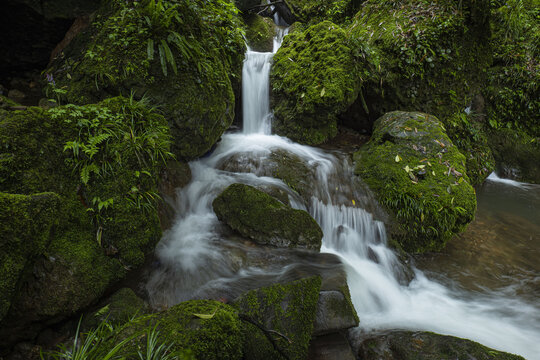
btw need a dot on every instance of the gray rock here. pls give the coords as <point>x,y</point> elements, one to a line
<point>334,312</point>
<point>330,347</point>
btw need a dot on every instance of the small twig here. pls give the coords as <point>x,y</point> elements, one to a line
<point>267,334</point>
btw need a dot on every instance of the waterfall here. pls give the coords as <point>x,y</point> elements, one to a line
<point>199,258</point>
<point>256,88</point>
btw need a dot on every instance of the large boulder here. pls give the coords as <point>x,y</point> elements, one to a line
<point>27,222</point>
<point>185,58</point>
<point>409,345</point>
<point>287,309</point>
<point>267,221</point>
<point>105,220</point>
<point>419,175</point>
<point>314,79</point>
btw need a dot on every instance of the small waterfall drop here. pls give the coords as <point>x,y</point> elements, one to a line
<point>198,259</point>
<point>256,88</point>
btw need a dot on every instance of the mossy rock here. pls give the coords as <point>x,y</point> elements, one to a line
<point>408,345</point>
<point>260,33</point>
<point>419,176</point>
<point>27,222</point>
<point>314,79</point>
<point>288,309</point>
<point>90,248</point>
<point>118,309</point>
<point>205,329</point>
<point>267,221</point>
<point>191,80</point>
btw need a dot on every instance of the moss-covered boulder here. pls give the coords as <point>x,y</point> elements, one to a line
<point>264,219</point>
<point>288,309</point>
<point>195,329</point>
<point>419,175</point>
<point>314,79</point>
<point>102,162</point>
<point>27,223</point>
<point>260,33</point>
<point>408,345</point>
<point>426,56</point>
<point>118,309</point>
<point>184,57</point>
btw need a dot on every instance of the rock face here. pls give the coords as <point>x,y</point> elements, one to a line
<point>92,225</point>
<point>314,79</point>
<point>166,59</point>
<point>419,175</point>
<point>288,309</point>
<point>267,221</point>
<point>408,345</point>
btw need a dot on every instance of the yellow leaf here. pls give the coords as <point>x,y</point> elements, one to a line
<point>398,158</point>
<point>422,217</point>
<point>206,316</point>
<point>353,202</point>
<point>323,91</point>
<point>433,173</point>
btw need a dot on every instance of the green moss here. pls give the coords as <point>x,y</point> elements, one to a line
<point>188,329</point>
<point>419,175</point>
<point>314,79</point>
<point>259,216</point>
<point>288,309</point>
<point>6,103</point>
<point>27,222</point>
<point>191,85</point>
<point>260,33</point>
<point>514,78</point>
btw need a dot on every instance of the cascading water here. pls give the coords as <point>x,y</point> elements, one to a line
<point>199,258</point>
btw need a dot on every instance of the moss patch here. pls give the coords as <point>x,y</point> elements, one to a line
<point>289,309</point>
<point>419,175</point>
<point>266,220</point>
<point>313,78</point>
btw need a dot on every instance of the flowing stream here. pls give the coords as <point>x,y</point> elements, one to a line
<point>200,258</point>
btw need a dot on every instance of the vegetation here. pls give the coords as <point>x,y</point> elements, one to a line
<point>185,56</point>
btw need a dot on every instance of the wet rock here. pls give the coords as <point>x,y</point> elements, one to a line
<point>405,345</point>
<point>419,175</point>
<point>174,175</point>
<point>288,309</point>
<point>266,220</point>
<point>330,347</point>
<point>335,312</point>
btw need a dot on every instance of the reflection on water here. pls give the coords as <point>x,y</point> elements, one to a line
<point>500,250</point>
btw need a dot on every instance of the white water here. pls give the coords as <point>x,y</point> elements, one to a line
<point>192,257</point>
<point>494,178</point>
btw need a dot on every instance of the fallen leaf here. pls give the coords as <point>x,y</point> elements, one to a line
<point>323,91</point>
<point>398,158</point>
<point>206,316</point>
